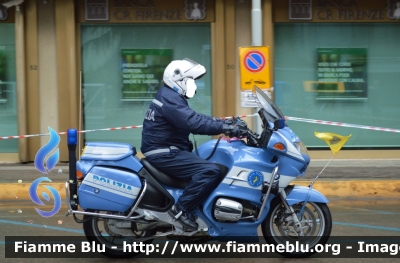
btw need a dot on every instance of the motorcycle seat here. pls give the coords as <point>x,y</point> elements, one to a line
<point>163,178</point>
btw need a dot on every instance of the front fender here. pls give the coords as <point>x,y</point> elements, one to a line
<point>300,193</point>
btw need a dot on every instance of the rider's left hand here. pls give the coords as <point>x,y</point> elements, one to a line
<point>237,130</point>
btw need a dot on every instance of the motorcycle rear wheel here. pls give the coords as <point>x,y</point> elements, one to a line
<point>96,229</point>
<point>316,221</point>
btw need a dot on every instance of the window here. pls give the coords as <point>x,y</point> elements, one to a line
<point>8,95</point>
<point>122,70</point>
<point>297,47</point>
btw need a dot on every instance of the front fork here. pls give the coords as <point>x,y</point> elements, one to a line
<point>292,213</point>
<point>289,208</point>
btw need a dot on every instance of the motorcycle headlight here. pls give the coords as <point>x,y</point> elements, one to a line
<point>301,148</point>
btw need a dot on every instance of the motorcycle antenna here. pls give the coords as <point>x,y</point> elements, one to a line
<point>315,179</point>
<point>335,143</point>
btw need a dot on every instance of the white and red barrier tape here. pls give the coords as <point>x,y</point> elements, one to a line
<point>61,133</point>
<point>342,124</point>
<point>242,116</point>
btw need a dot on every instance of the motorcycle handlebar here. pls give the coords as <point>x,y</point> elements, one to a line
<point>251,134</point>
<point>252,137</point>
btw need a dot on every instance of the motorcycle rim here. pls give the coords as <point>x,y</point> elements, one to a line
<point>98,230</point>
<point>316,221</point>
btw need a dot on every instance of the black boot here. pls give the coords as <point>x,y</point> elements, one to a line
<point>185,221</point>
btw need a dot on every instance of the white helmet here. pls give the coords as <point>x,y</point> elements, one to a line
<point>180,75</point>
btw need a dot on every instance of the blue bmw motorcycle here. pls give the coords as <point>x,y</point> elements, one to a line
<point>124,198</point>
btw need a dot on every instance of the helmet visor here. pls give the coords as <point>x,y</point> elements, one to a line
<point>196,71</point>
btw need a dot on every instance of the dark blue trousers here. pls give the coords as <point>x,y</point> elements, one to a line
<point>202,176</point>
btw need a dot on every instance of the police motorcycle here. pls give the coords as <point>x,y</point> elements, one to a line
<point>124,198</point>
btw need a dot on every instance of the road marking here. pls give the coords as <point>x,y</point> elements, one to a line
<point>71,230</point>
<point>367,210</point>
<point>366,213</point>
<point>367,226</point>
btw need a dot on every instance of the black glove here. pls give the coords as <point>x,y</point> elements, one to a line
<point>234,130</point>
<point>230,121</point>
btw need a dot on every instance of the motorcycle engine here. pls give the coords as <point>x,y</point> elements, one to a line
<point>227,210</point>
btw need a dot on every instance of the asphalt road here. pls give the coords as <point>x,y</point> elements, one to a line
<point>351,218</point>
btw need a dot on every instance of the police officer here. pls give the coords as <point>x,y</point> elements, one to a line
<point>165,138</point>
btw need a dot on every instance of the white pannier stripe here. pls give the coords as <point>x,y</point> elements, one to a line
<point>105,150</point>
<point>101,187</point>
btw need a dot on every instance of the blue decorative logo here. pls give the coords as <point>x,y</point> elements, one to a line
<point>50,163</point>
<point>277,176</point>
<point>255,179</point>
<point>45,150</point>
<point>34,197</point>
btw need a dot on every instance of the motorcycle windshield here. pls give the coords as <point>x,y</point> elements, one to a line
<point>273,112</point>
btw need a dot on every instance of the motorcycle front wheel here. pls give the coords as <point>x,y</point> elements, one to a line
<point>103,231</point>
<point>316,223</point>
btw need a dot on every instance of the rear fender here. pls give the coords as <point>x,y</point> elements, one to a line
<point>299,194</point>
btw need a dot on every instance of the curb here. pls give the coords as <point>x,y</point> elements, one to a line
<point>343,188</point>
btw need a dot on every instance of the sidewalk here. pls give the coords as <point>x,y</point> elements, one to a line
<point>342,178</point>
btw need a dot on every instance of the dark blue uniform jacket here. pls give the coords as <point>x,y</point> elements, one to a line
<point>169,122</point>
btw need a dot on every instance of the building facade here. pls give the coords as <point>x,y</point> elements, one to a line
<point>96,64</point>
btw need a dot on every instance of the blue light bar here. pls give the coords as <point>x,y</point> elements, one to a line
<point>72,137</point>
